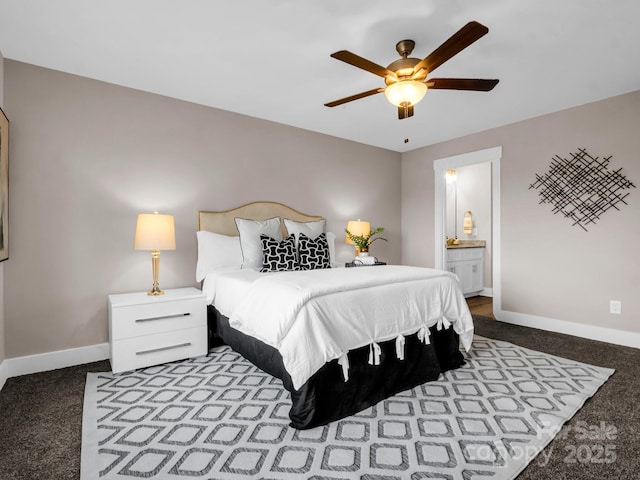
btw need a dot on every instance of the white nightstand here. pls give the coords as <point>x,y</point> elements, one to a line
<point>147,330</point>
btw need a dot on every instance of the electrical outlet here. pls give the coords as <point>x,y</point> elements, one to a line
<point>615,307</point>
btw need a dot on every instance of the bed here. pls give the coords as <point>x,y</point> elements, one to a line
<point>339,339</point>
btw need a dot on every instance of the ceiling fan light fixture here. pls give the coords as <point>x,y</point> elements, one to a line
<point>405,92</point>
<point>406,79</point>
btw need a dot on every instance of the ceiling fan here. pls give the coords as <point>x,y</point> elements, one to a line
<point>406,79</point>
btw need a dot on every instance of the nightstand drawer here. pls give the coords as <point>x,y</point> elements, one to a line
<point>151,318</point>
<point>138,352</point>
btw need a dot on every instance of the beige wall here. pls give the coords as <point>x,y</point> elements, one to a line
<point>88,156</point>
<point>550,268</point>
<point>2,264</point>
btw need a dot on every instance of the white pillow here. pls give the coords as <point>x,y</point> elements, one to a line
<point>331,240</point>
<point>312,230</point>
<point>250,231</point>
<point>216,251</point>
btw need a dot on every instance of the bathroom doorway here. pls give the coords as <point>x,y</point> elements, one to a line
<point>468,215</point>
<point>483,160</point>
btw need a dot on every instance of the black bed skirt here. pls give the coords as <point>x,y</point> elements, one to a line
<point>326,397</point>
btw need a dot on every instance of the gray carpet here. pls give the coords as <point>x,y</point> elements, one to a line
<point>219,416</point>
<point>41,420</point>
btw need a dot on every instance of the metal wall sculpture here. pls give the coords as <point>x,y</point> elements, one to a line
<point>582,187</point>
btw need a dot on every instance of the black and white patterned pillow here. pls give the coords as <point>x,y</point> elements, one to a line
<point>278,256</point>
<point>313,254</point>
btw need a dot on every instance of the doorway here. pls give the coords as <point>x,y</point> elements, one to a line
<point>440,166</point>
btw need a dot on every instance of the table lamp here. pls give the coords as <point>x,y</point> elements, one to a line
<point>357,228</point>
<point>155,232</point>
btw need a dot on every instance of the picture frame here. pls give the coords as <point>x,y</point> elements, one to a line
<point>4,187</point>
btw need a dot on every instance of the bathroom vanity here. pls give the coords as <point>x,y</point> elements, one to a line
<point>466,260</point>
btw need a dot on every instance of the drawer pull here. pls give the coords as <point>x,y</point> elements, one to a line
<point>140,320</point>
<point>162,349</point>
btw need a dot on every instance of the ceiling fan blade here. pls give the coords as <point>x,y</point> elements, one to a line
<point>460,40</point>
<point>363,63</point>
<point>405,111</point>
<point>368,93</point>
<point>462,84</point>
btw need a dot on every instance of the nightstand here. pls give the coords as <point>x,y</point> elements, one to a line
<point>148,330</point>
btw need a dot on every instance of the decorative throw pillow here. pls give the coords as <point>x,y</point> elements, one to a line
<point>313,254</point>
<point>278,256</point>
<point>312,230</point>
<point>250,231</point>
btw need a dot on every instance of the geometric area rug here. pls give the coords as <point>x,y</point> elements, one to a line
<point>219,417</point>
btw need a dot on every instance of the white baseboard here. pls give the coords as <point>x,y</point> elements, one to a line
<point>4,373</point>
<point>602,334</point>
<point>14,367</point>
<point>485,292</point>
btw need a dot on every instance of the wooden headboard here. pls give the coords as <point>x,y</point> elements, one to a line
<point>224,223</point>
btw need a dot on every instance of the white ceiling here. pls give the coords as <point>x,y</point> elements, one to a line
<point>270,58</point>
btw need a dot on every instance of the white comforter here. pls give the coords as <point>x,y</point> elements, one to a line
<point>313,317</point>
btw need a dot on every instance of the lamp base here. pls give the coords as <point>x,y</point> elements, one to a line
<point>155,265</point>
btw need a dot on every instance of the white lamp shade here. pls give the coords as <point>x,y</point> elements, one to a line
<point>357,227</point>
<point>405,91</point>
<point>155,231</point>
